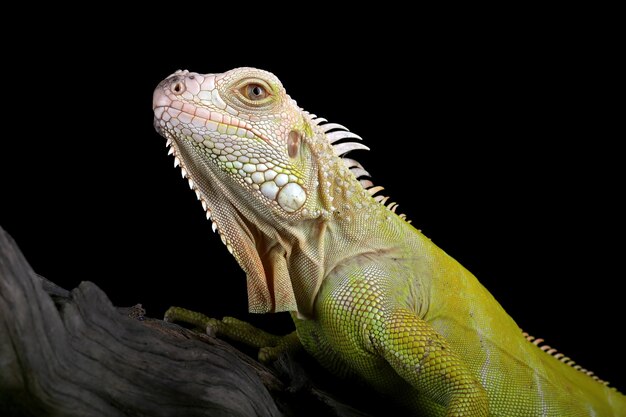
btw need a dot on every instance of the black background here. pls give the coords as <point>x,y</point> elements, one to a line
<point>492,138</point>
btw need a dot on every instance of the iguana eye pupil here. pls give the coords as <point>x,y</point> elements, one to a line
<point>256,92</point>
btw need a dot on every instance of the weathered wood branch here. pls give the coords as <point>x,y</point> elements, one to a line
<point>72,353</point>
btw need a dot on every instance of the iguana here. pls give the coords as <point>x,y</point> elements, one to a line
<point>369,294</point>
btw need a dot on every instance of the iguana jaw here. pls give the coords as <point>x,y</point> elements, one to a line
<point>242,237</point>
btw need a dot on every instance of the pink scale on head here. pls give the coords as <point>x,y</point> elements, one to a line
<point>209,83</point>
<point>185,117</point>
<point>203,112</point>
<point>189,108</point>
<point>192,85</point>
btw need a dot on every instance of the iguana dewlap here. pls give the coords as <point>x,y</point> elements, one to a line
<point>370,295</point>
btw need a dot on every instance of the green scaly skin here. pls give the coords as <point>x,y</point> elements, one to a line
<point>369,294</point>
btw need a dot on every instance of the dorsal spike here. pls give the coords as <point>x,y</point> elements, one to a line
<point>376,189</point>
<point>335,133</point>
<point>366,183</point>
<point>559,356</point>
<point>329,126</point>
<point>340,134</point>
<point>360,172</point>
<point>351,163</point>
<point>342,148</point>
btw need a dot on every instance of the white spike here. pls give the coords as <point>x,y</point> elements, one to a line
<point>204,206</point>
<point>190,183</point>
<point>342,148</point>
<point>208,215</point>
<point>403,216</point>
<point>223,238</point>
<point>376,189</point>
<point>366,183</point>
<point>394,207</point>
<point>168,142</point>
<point>230,248</point>
<point>197,194</point>
<point>379,198</point>
<point>318,120</point>
<point>330,126</point>
<point>170,151</point>
<point>384,200</point>
<point>360,172</point>
<point>183,172</point>
<point>214,226</point>
<point>176,161</point>
<point>351,163</point>
<point>335,136</point>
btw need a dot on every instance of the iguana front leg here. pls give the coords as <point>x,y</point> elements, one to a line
<point>270,346</point>
<point>424,358</point>
<point>374,330</point>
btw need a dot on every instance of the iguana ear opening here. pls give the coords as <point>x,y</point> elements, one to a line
<point>293,143</point>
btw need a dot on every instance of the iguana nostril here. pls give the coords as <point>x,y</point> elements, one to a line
<point>178,87</point>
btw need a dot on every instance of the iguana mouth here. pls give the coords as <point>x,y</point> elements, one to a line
<point>209,121</point>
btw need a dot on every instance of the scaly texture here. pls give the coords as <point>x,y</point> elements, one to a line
<point>370,295</point>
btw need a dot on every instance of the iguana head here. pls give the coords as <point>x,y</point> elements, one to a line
<point>260,165</point>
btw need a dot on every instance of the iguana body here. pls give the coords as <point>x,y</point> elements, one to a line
<point>370,295</point>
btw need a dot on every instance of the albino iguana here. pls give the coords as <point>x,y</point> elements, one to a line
<point>369,294</point>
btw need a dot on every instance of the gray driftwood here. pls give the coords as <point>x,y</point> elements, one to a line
<point>72,353</point>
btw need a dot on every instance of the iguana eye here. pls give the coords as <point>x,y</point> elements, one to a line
<point>254,92</point>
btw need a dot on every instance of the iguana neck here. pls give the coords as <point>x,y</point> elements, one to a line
<point>346,223</point>
<point>271,178</point>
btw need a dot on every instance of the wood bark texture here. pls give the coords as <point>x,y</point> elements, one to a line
<point>72,353</point>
